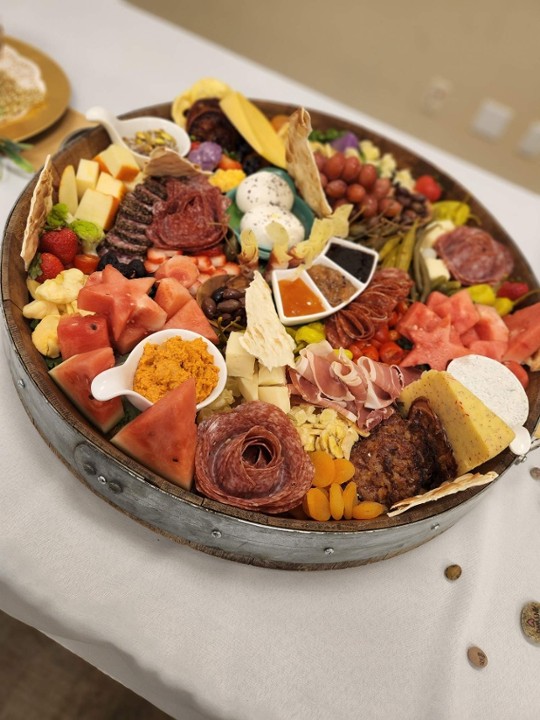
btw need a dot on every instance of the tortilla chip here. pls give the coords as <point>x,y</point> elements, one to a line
<point>301,164</point>
<point>165,162</point>
<point>40,207</point>
<point>448,488</point>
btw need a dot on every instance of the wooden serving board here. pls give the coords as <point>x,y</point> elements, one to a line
<point>187,517</point>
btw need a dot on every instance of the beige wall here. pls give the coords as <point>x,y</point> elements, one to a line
<point>383,58</point>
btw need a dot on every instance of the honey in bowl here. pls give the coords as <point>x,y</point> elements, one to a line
<point>298,299</point>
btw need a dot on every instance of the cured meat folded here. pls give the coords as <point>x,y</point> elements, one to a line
<point>252,458</point>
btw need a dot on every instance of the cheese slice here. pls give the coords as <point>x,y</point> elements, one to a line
<point>474,432</point>
<point>254,127</point>
<point>278,396</point>
<point>240,363</point>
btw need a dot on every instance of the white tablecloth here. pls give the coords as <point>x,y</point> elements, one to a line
<point>204,638</point>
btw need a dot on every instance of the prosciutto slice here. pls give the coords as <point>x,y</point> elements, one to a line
<point>363,392</point>
<point>252,458</point>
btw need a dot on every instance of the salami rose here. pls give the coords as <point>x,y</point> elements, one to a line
<point>252,458</point>
<point>472,256</point>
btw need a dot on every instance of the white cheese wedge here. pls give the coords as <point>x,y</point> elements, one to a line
<point>277,395</point>
<point>276,376</point>
<point>98,208</point>
<point>249,387</point>
<point>240,363</point>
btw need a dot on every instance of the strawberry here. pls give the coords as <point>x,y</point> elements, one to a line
<point>49,266</point>
<point>61,242</point>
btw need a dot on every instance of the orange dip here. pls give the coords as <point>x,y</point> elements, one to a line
<point>298,299</point>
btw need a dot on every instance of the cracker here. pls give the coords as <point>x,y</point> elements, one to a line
<point>301,164</point>
<point>40,207</point>
<point>164,162</point>
<point>448,488</point>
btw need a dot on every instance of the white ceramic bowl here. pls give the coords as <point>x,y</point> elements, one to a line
<point>119,129</point>
<point>119,380</point>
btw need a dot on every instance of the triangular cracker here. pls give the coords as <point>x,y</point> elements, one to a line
<point>40,207</point>
<point>301,164</point>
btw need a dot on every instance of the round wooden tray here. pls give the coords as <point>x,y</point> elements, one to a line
<point>187,517</point>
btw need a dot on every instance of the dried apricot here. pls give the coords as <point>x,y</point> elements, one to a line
<point>350,498</point>
<point>343,470</point>
<point>323,463</point>
<point>367,510</point>
<point>336,501</point>
<point>317,505</point>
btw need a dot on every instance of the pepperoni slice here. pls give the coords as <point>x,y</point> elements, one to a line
<point>473,256</point>
<point>252,458</point>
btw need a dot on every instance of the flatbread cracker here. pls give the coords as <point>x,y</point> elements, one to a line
<point>164,162</point>
<point>40,207</point>
<point>301,164</point>
<point>448,488</point>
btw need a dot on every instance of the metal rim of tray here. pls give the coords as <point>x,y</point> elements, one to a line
<point>184,516</point>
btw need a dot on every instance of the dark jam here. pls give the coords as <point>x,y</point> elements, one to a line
<point>356,262</point>
<point>332,283</point>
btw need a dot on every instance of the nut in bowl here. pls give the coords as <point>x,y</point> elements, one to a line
<point>161,361</point>
<point>142,134</point>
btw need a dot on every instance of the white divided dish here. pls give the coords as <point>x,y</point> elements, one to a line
<point>355,263</point>
<point>120,129</point>
<point>500,390</point>
<point>118,381</point>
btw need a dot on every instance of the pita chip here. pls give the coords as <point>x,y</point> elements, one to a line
<point>301,164</point>
<point>464,482</point>
<point>40,207</point>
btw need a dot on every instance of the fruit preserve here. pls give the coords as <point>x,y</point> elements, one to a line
<point>298,299</point>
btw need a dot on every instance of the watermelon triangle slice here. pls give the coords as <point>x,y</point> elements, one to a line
<point>164,437</point>
<point>191,317</point>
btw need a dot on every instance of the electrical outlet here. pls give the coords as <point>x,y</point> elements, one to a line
<point>492,119</point>
<point>530,142</point>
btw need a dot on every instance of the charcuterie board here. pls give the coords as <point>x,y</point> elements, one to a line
<point>237,533</point>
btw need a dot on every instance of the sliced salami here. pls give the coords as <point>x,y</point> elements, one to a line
<point>252,458</point>
<point>473,256</point>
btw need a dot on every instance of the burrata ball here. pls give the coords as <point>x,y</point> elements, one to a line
<point>261,216</point>
<point>264,188</point>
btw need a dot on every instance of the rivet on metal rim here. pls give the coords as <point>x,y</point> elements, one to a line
<point>21,383</point>
<point>102,479</point>
<point>329,551</point>
<point>435,526</point>
<point>535,473</point>
<point>115,487</point>
<point>216,533</point>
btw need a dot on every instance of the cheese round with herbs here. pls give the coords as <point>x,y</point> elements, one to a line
<point>264,188</point>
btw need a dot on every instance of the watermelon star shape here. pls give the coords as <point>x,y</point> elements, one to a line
<point>111,294</point>
<point>434,347</point>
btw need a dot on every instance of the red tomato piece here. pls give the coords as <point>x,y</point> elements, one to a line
<point>371,351</point>
<point>391,353</point>
<point>427,186</point>
<point>86,263</point>
<point>228,163</point>
<point>512,290</point>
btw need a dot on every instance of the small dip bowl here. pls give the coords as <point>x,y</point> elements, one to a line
<point>119,380</point>
<point>354,263</point>
<point>120,129</point>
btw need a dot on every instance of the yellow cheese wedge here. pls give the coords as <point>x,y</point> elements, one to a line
<point>474,432</point>
<point>87,176</point>
<point>119,162</point>
<point>98,208</point>
<point>249,387</point>
<point>67,190</point>
<point>254,127</point>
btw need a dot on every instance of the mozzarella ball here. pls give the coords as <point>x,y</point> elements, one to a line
<point>264,188</point>
<point>261,216</point>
